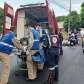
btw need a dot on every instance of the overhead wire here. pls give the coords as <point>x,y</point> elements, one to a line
<point>59,5</point>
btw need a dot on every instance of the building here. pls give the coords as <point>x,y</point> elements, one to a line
<point>60,26</point>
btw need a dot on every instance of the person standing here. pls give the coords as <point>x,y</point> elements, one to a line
<point>61,39</point>
<point>34,47</point>
<point>53,59</point>
<point>38,28</point>
<point>7,44</point>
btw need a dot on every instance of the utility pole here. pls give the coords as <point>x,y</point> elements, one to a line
<point>69,23</point>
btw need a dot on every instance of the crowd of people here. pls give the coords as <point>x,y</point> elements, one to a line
<point>50,43</point>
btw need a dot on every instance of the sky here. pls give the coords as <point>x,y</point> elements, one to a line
<point>60,7</point>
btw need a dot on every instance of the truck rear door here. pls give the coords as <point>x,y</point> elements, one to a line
<point>8,17</point>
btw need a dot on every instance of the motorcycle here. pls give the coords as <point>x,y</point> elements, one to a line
<point>82,45</point>
<point>72,41</point>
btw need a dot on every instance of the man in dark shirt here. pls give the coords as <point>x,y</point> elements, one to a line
<point>53,58</point>
<point>61,39</point>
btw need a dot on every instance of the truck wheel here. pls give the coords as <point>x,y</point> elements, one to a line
<point>83,50</point>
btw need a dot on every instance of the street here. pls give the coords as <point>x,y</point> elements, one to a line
<point>72,66</point>
<point>71,69</point>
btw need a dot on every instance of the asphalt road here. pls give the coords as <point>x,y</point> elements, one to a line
<point>72,66</point>
<point>71,69</point>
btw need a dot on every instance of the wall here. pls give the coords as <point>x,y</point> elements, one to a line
<point>20,24</point>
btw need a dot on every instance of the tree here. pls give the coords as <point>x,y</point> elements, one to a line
<point>66,24</point>
<point>1,19</point>
<point>82,15</point>
<point>60,18</point>
<point>74,20</point>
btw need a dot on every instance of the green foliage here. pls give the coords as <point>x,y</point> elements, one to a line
<point>66,22</point>
<point>74,21</point>
<point>1,19</point>
<point>61,18</point>
<point>82,15</point>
